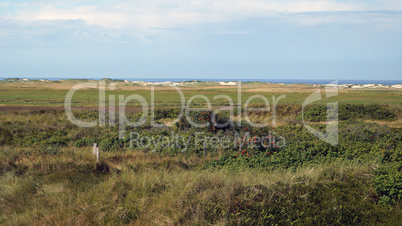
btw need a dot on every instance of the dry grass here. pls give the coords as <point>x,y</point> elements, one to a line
<point>393,124</point>
<point>140,188</point>
<point>66,186</point>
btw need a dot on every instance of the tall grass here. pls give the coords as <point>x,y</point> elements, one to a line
<point>58,183</point>
<point>146,188</point>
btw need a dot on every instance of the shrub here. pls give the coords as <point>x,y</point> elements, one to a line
<point>86,142</point>
<point>388,183</point>
<point>214,122</point>
<point>350,111</point>
<point>6,137</point>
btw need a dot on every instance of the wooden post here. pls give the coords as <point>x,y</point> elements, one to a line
<point>94,149</point>
<point>97,155</point>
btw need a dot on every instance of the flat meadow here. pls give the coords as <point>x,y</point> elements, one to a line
<point>181,174</point>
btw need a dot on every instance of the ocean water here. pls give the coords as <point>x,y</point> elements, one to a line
<point>285,81</point>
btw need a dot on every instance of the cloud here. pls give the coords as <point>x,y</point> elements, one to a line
<point>372,18</point>
<point>181,13</point>
<point>4,4</point>
<point>124,21</point>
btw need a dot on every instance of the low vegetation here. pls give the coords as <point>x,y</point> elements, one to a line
<point>48,174</point>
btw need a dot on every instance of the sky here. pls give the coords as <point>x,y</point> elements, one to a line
<point>228,39</point>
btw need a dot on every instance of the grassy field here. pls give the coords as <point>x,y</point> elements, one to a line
<point>53,94</point>
<point>48,174</point>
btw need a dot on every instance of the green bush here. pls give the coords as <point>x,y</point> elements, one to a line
<point>388,183</point>
<point>87,142</point>
<point>6,137</point>
<point>318,113</point>
<point>357,141</point>
<point>215,122</point>
<point>48,138</point>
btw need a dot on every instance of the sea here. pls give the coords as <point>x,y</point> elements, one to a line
<point>285,81</point>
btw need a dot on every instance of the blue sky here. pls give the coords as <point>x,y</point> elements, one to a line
<point>230,39</point>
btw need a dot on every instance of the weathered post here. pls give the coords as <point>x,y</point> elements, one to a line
<point>97,155</point>
<point>94,149</point>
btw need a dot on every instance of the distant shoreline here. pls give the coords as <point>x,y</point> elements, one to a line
<point>180,80</point>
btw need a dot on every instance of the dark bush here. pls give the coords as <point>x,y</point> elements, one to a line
<point>350,111</point>
<point>388,183</point>
<point>86,142</point>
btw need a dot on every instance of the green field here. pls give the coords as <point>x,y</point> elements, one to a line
<point>35,94</point>
<point>48,174</point>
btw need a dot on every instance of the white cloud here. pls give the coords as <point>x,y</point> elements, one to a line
<point>179,13</point>
<point>151,21</point>
<point>4,4</point>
